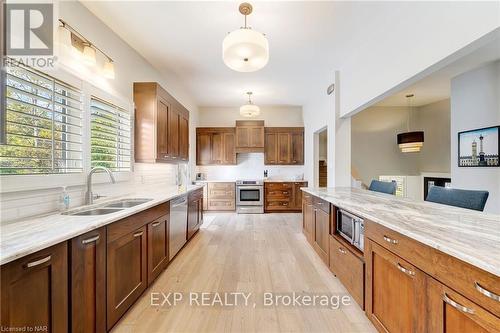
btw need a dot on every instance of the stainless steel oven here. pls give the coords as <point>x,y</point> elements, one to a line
<point>249,196</point>
<point>351,227</point>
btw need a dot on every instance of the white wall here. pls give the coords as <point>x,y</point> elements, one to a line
<point>374,147</point>
<point>323,145</point>
<point>475,103</point>
<point>129,67</point>
<point>390,42</point>
<point>273,116</point>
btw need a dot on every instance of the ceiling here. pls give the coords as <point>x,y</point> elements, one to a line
<point>436,86</point>
<point>186,38</point>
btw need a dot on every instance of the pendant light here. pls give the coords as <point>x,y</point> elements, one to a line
<point>245,50</point>
<point>109,69</point>
<point>249,110</point>
<point>410,142</point>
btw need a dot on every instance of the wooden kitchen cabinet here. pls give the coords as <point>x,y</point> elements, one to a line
<point>249,136</point>
<point>34,291</point>
<point>284,146</point>
<point>450,312</point>
<point>215,146</point>
<point>221,196</point>
<point>157,239</point>
<point>321,231</point>
<point>88,282</point>
<point>195,212</point>
<point>126,272</point>
<point>283,196</point>
<point>297,195</point>
<point>308,217</point>
<point>395,291</point>
<point>161,125</point>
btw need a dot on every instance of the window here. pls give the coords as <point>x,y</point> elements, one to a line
<point>43,125</point>
<point>110,136</point>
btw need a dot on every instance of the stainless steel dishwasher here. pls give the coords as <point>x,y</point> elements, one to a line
<point>178,225</point>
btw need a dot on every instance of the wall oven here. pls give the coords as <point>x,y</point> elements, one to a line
<point>250,196</point>
<point>351,227</point>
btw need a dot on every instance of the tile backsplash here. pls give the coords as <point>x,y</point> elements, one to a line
<point>251,166</point>
<point>23,204</point>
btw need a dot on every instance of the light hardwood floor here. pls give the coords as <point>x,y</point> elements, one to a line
<point>245,253</point>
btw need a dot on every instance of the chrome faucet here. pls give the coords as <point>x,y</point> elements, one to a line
<point>89,196</point>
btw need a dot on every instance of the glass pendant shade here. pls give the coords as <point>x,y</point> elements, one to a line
<point>411,141</point>
<point>245,50</point>
<point>249,110</point>
<point>89,55</point>
<point>109,70</point>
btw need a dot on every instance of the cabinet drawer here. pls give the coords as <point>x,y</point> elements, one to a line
<point>321,204</point>
<point>279,186</point>
<point>349,269</point>
<point>221,186</point>
<point>221,204</point>
<point>278,204</point>
<point>221,194</point>
<point>278,193</point>
<point>479,286</point>
<point>196,195</point>
<point>129,224</point>
<point>307,198</point>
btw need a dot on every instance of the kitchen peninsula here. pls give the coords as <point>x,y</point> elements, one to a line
<point>444,260</point>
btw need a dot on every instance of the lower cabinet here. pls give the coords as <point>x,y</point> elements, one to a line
<point>308,217</point>
<point>157,247</point>
<point>88,282</point>
<point>34,291</point>
<point>126,272</point>
<point>195,212</point>
<point>450,312</point>
<point>395,291</point>
<point>321,233</point>
<point>349,267</point>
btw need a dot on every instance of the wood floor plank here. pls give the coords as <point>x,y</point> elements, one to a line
<point>254,254</point>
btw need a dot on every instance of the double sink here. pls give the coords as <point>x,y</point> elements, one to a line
<point>108,208</point>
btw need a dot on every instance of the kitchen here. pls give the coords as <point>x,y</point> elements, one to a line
<point>145,188</point>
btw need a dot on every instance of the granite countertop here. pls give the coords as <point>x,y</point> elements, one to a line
<point>471,236</point>
<point>20,238</point>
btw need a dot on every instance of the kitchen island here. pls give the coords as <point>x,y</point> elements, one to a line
<point>423,267</point>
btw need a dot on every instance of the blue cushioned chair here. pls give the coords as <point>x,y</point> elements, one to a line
<point>383,187</point>
<point>456,197</point>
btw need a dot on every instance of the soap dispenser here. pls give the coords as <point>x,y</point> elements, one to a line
<point>64,200</point>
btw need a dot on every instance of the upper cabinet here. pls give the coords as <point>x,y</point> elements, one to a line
<point>161,125</point>
<point>249,136</point>
<point>215,146</point>
<point>284,146</point>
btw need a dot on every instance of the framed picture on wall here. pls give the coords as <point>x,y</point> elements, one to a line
<point>479,147</point>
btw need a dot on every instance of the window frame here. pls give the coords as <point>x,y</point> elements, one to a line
<point>18,183</point>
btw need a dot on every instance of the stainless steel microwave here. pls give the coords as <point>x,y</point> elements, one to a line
<point>351,227</point>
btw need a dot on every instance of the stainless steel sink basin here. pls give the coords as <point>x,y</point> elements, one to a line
<point>127,203</point>
<point>91,212</point>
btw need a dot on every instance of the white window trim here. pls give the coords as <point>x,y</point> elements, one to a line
<point>18,183</point>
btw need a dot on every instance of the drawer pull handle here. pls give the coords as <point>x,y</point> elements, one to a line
<point>155,224</point>
<point>38,262</point>
<point>285,192</point>
<point>390,240</point>
<point>341,250</point>
<point>405,270</point>
<point>487,293</point>
<point>457,306</point>
<point>90,240</point>
<point>138,234</point>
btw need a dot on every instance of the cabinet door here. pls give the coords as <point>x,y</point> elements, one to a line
<point>203,149</point>
<point>173,133</point>
<point>297,148</point>
<point>126,273</point>
<point>229,148</point>
<point>395,291</point>
<point>162,130</point>
<point>34,291</point>
<point>88,282</point>
<point>283,148</point>
<point>217,148</point>
<point>308,221</point>
<point>297,195</point>
<point>271,148</point>
<point>157,247</point>
<point>256,136</point>
<point>184,139</point>
<point>450,312</point>
<point>321,233</point>
<point>242,137</point>
<point>193,220</point>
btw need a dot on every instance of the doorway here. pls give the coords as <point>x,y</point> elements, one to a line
<point>322,158</point>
